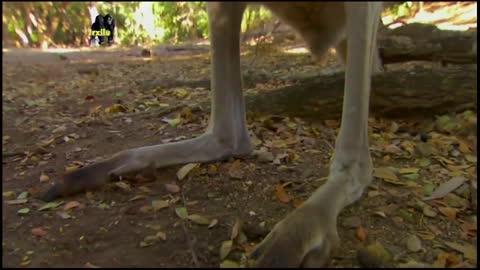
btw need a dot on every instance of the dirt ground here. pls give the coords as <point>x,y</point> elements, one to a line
<point>64,110</point>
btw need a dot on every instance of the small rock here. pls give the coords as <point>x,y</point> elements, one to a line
<point>352,222</point>
<point>414,244</point>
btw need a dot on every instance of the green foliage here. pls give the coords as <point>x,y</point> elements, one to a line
<point>36,24</point>
<point>181,20</point>
<point>404,9</point>
<point>254,17</point>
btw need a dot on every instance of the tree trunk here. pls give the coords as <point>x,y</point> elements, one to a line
<point>425,42</point>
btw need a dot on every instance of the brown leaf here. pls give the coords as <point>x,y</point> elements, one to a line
<point>361,234</point>
<point>44,178</point>
<point>297,203</point>
<point>159,204</point>
<point>387,175</point>
<point>39,232</point>
<point>212,169</point>
<point>469,228</point>
<point>235,229</point>
<point>408,170</point>
<point>469,251</point>
<point>146,208</point>
<point>235,170</point>
<point>172,188</point>
<point>71,204</point>
<point>331,123</point>
<point>449,212</point>
<point>426,235</point>
<point>213,223</point>
<point>463,146</point>
<point>281,194</point>
<point>445,259</point>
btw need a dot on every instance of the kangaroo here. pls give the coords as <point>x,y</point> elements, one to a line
<point>307,235</point>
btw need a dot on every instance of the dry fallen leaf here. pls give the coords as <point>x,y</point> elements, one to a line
<point>181,212</point>
<point>212,169</point>
<point>281,194</point>
<point>185,170</point>
<point>199,219</point>
<point>378,250</point>
<point>297,203</point>
<point>161,235</point>
<point>469,251</point>
<point>70,205</point>
<point>89,265</point>
<point>463,146</point>
<point>159,204</point>
<point>44,178</point>
<point>124,186</point>
<point>14,202</point>
<point>229,264</point>
<point>449,212</point>
<point>445,259</point>
<point>236,229</point>
<point>137,197</point>
<point>213,223</point>
<point>446,188</point>
<point>388,175</point>
<point>426,235</point>
<point>39,232</point>
<point>8,194</point>
<point>172,188</point>
<point>361,234</point>
<point>64,215</point>
<point>235,170</point>
<point>225,249</point>
<point>408,170</point>
<point>23,211</point>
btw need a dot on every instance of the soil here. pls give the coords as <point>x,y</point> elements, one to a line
<point>47,97</point>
